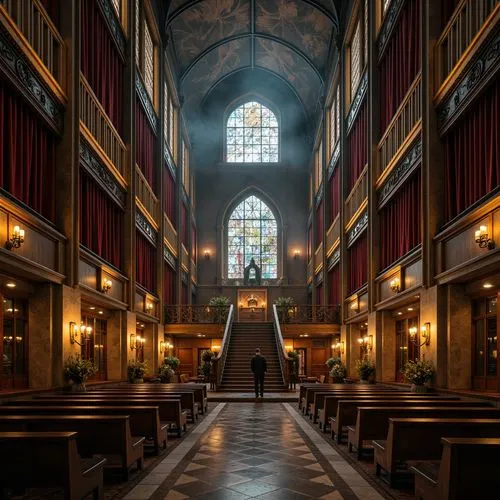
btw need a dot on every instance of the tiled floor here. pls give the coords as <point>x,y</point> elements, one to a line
<point>253,450</point>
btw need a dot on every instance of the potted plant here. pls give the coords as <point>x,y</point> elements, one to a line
<point>293,357</point>
<point>166,373</point>
<point>338,373</point>
<point>331,362</point>
<point>220,307</point>
<point>366,369</point>
<point>206,357</point>
<point>135,371</point>
<point>172,361</point>
<point>419,373</point>
<point>285,307</point>
<point>77,371</point>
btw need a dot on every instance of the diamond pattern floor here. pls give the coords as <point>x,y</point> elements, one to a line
<point>256,451</point>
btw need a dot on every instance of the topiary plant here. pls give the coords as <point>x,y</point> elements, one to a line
<point>172,362</point>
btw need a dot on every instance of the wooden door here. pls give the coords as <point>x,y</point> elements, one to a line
<point>185,355</point>
<point>318,359</point>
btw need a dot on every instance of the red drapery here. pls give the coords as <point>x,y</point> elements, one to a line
<point>358,263</point>
<point>169,285</point>
<point>319,224</point>
<point>145,263</point>
<point>400,223</point>
<point>184,294</point>
<point>52,7</point>
<point>472,154</point>
<point>169,196</point>
<point>101,63</point>
<point>193,243</point>
<point>184,225</point>
<point>334,193</point>
<point>357,146</point>
<point>401,62</point>
<point>27,155</point>
<point>319,295</point>
<point>309,243</point>
<point>145,145</point>
<point>334,286</point>
<point>101,222</point>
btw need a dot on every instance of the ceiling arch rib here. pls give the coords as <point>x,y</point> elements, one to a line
<point>248,35</point>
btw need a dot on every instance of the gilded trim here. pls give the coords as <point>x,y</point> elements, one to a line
<point>357,229</point>
<point>357,101</point>
<point>333,260</point>
<point>169,258</point>
<point>114,25</point>
<point>142,223</point>
<point>388,25</point>
<point>147,105</point>
<point>169,160</point>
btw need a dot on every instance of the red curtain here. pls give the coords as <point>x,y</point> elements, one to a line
<point>184,225</point>
<point>145,145</point>
<point>334,193</point>
<point>184,294</point>
<point>101,63</point>
<point>53,9</point>
<point>169,196</point>
<point>193,243</point>
<point>357,146</point>
<point>472,154</point>
<point>334,286</point>
<point>27,155</point>
<point>401,62</point>
<point>319,224</point>
<point>145,263</point>
<point>101,222</point>
<point>400,223</point>
<point>358,263</point>
<point>319,295</point>
<point>169,285</point>
<point>309,243</point>
<point>447,9</point>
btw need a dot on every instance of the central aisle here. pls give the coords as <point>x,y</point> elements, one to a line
<point>259,450</point>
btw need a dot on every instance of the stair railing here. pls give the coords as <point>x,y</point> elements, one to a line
<point>285,361</point>
<point>220,360</point>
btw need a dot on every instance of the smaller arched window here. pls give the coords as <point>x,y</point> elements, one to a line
<point>252,135</point>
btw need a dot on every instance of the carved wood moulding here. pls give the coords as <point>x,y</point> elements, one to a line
<point>145,100</point>
<point>357,101</point>
<point>485,65</point>
<point>388,25</point>
<point>184,277</point>
<point>17,69</point>
<point>319,278</point>
<point>334,160</point>
<point>114,25</point>
<point>357,229</point>
<point>145,227</point>
<point>334,259</point>
<point>101,174</point>
<point>169,258</point>
<point>400,173</point>
<point>169,160</point>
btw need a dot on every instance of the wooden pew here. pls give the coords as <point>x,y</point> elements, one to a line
<point>330,403</point>
<point>347,410</point>
<point>373,423</point>
<point>144,420</point>
<point>420,439</point>
<point>468,469</point>
<point>47,460</point>
<point>187,398</point>
<point>107,435</point>
<point>169,408</point>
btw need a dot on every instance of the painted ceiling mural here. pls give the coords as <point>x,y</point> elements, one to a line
<point>289,38</point>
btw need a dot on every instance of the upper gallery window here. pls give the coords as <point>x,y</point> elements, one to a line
<point>252,135</point>
<point>146,49</point>
<point>357,56</point>
<point>252,234</point>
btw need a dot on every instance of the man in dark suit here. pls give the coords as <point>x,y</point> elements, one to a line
<point>259,369</point>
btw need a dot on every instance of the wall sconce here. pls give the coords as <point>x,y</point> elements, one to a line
<point>136,342</point>
<point>425,333</point>
<point>216,348</point>
<point>165,346</point>
<point>366,342</point>
<point>9,339</point>
<point>296,254</point>
<point>339,346</point>
<point>206,253</point>
<point>106,285</point>
<point>149,307</point>
<point>482,239</point>
<point>395,285</point>
<point>288,348</point>
<point>16,239</point>
<point>84,331</point>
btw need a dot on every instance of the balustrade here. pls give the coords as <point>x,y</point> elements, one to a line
<point>40,32</point>
<point>305,313</point>
<point>169,231</point>
<point>145,195</point>
<point>201,313</point>
<point>333,234</point>
<point>357,196</point>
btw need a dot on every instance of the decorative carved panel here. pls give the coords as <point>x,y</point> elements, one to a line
<point>145,227</point>
<point>146,102</point>
<point>114,25</point>
<point>357,229</point>
<point>169,258</point>
<point>334,259</point>
<point>357,101</point>
<point>390,21</point>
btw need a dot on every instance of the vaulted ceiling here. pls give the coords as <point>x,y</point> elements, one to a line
<point>213,39</point>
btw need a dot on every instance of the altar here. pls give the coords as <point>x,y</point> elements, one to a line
<point>252,304</point>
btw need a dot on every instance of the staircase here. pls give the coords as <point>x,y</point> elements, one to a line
<point>245,338</point>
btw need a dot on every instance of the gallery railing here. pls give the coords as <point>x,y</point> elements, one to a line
<point>196,314</point>
<point>306,313</point>
<point>219,362</point>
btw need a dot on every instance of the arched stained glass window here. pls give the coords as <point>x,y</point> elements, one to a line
<point>252,135</point>
<point>252,233</point>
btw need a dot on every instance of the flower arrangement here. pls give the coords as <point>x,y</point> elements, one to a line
<point>331,362</point>
<point>338,372</point>
<point>172,362</point>
<point>166,373</point>
<point>419,372</point>
<point>365,367</point>
<point>78,370</point>
<point>136,370</point>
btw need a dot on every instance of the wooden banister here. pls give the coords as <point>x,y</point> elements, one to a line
<point>146,195</point>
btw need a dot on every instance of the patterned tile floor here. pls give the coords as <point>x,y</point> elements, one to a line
<point>245,450</point>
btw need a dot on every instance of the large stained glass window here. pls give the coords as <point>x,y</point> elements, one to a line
<point>252,135</point>
<point>252,233</point>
